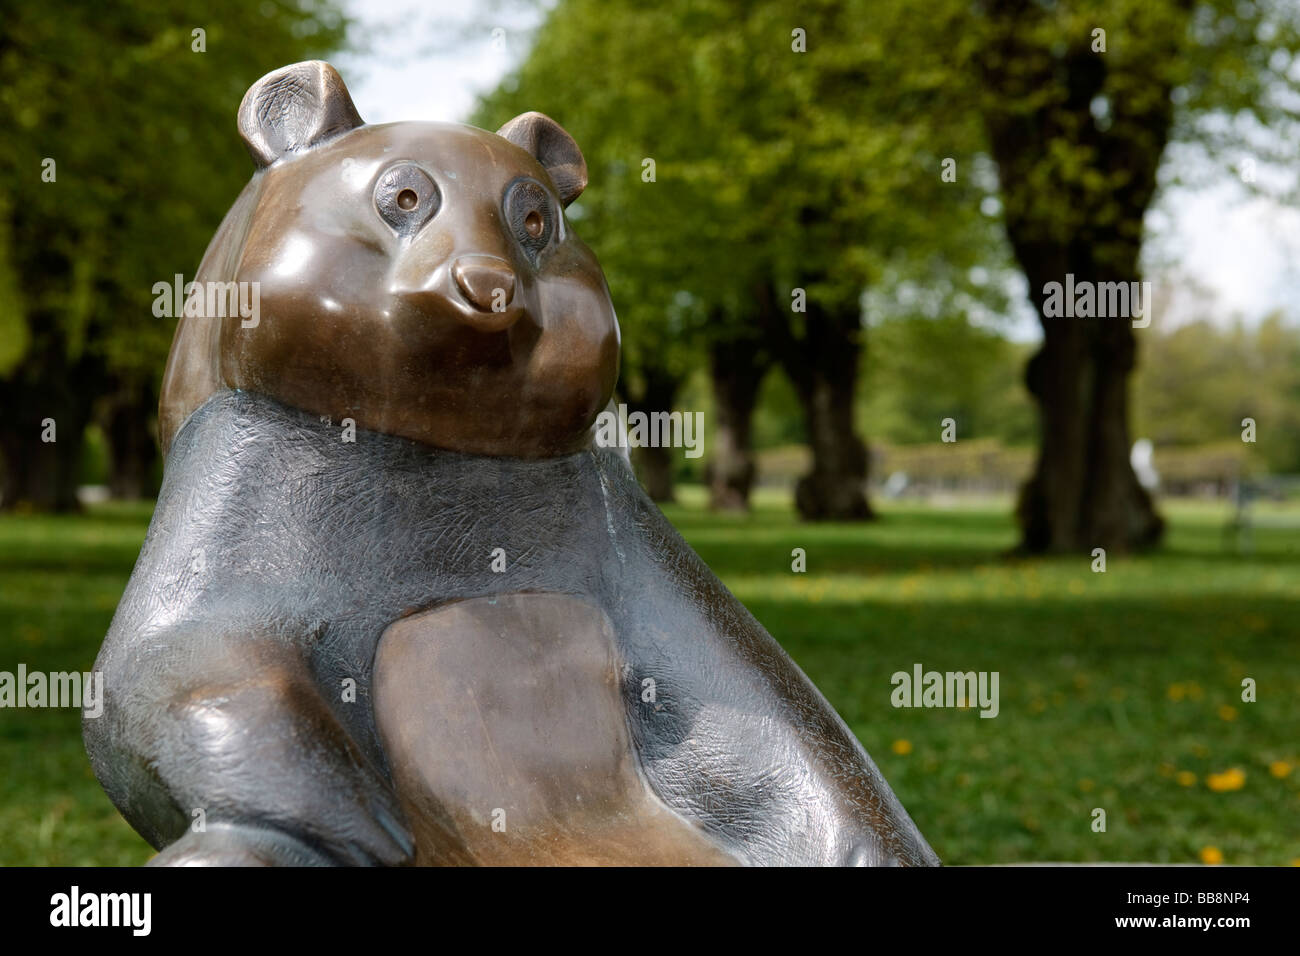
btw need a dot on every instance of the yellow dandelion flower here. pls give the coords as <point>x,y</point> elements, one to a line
<point>1086,784</point>
<point>1177,692</point>
<point>1186,778</point>
<point>1233,779</point>
<point>1227,712</point>
<point>1279,769</point>
<point>901,747</point>
<point>1211,855</point>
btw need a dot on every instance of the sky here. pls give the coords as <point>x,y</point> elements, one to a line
<point>429,60</point>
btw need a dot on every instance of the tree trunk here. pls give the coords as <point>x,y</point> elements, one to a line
<point>41,475</point>
<point>736,368</point>
<point>133,452</point>
<point>1083,493</point>
<point>1065,217</point>
<point>823,366</point>
<point>835,489</point>
<point>655,466</point>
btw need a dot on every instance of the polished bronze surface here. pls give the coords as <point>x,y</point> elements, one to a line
<point>471,319</point>
<point>508,751</point>
<point>459,632</point>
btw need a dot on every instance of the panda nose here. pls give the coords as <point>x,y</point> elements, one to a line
<point>486,282</point>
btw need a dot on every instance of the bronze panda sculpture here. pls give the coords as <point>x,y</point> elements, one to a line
<point>396,605</point>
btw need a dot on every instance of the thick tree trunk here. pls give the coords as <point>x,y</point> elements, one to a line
<point>835,489</point>
<point>736,368</point>
<point>1083,493</point>
<point>656,466</point>
<point>42,475</point>
<point>133,452</point>
<point>1067,219</point>
<point>823,366</point>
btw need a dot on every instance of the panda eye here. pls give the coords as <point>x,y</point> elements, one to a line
<point>530,215</point>
<point>406,198</point>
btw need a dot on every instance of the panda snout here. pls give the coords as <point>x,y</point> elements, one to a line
<point>488,284</point>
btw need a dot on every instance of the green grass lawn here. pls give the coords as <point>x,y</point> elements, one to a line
<point>1119,691</point>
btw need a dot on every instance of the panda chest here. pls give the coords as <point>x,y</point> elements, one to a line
<point>505,729</point>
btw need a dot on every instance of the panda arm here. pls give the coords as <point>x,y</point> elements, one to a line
<point>221,749</point>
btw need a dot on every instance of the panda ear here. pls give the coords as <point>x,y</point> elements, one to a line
<point>295,108</point>
<point>553,148</point>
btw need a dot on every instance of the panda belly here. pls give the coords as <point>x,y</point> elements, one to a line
<point>505,730</point>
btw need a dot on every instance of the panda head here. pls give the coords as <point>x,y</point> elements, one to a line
<point>418,278</point>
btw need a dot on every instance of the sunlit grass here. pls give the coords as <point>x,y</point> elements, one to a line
<point>1119,690</point>
<point>1112,684</point>
<point>60,580</point>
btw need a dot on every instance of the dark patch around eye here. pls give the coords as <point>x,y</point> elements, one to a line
<point>530,215</point>
<point>406,198</point>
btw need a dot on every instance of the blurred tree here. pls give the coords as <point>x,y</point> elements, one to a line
<point>737,366</point>
<point>791,168</point>
<point>880,186</point>
<point>1199,380</point>
<point>923,370</point>
<point>1079,101</point>
<point>136,113</point>
<point>611,75</point>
